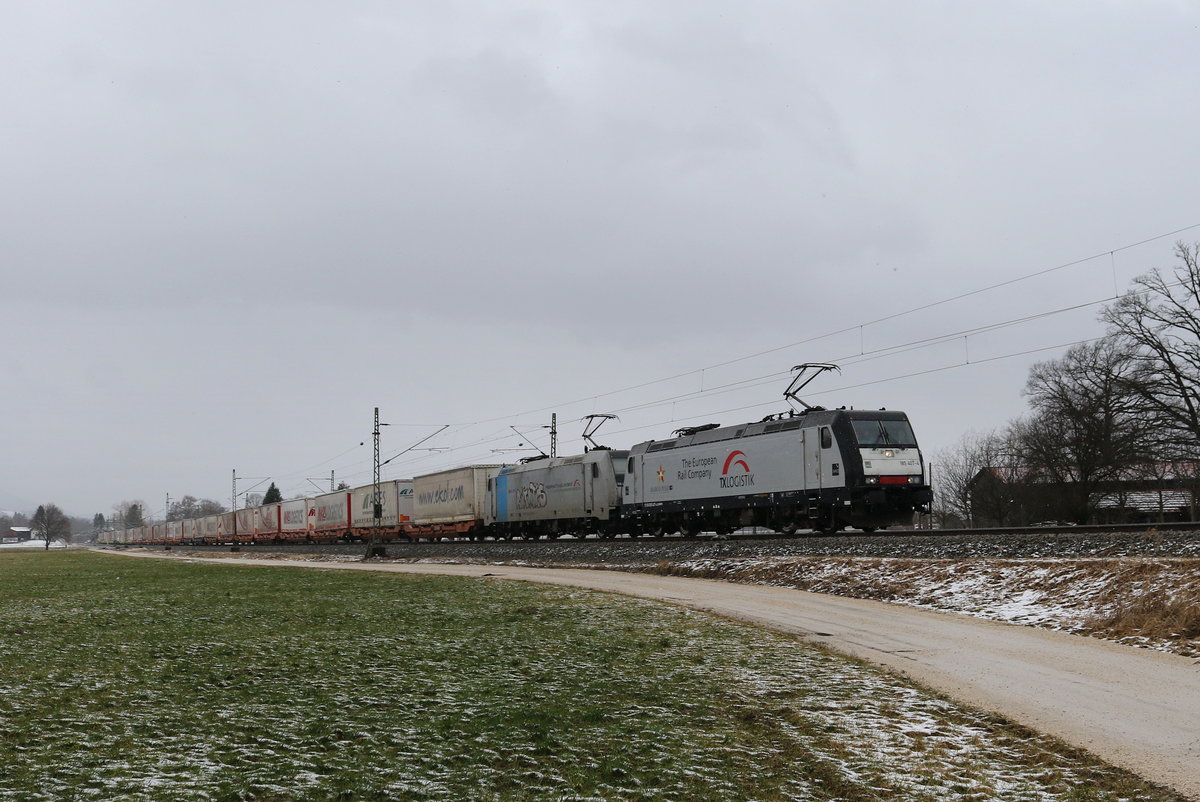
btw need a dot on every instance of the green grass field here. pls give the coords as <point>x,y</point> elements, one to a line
<point>139,679</point>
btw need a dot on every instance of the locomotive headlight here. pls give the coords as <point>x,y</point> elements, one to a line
<point>872,480</point>
<point>887,452</point>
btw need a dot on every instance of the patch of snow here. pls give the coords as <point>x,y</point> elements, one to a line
<point>34,544</point>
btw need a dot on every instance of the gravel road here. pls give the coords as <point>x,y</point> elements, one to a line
<point>1135,708</point>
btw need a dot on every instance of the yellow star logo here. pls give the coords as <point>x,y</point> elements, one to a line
<point>662,475</point>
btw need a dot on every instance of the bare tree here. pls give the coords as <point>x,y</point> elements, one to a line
<point>50,523</point>
<point>995,491</point>
<point>958,468</point>
<point>207,506</point>
<point>192,507</point>
<point>131,514</point>
<point>1159,320</point>
<point>1087,426</point>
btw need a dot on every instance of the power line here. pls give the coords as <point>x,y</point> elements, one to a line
<point>854,327</point>
<point>757,381</point>
<point>744,384</point>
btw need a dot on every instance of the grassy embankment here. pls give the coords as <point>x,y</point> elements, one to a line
<point>1143,601</point>
<point>149,680</point>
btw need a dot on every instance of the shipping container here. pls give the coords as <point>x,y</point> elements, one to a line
<point>174,531</point>
<point>244,518</point>
<point>331,513</point>
<point>404,492</point>
<point>452,502</point>
<point>396,496</point>
<point>266,522</point>
<point>208,528</point>
<point>294,519</point>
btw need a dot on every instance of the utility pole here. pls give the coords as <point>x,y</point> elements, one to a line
<point>233,499</point>
<point>553,434</point>
<point>331,487</point>
<point>377,497</point>
<point>258,480</point>
<point>374,550</point>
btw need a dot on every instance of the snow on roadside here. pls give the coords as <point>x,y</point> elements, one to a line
<point>1085,596</point>
<point>1132,600</point>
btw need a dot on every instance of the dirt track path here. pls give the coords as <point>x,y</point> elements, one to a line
<point>1132,707</point>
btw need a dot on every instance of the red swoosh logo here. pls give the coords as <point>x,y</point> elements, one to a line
<point>730,461</point>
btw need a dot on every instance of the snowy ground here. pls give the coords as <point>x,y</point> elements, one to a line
<point>1149,602</point>
<point>34,544</point>
<point>238,684</point>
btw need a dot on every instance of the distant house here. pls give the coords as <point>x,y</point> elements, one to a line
<point>1156,493</point>
<point>16,534</point>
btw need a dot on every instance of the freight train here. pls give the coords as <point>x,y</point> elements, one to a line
<point>817,469</point>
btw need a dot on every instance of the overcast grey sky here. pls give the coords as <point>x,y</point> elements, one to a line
<point>231,229</point>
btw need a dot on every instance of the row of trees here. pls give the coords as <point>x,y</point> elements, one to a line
<point>131,514</point>
<point>50,523</point>
<point>1109,414</point>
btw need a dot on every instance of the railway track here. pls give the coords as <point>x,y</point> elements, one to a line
<point>1172,540</point>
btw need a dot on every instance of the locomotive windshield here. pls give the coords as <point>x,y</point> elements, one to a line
<point>879,433</point>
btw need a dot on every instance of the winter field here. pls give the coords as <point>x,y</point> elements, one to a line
<point>166,680</point>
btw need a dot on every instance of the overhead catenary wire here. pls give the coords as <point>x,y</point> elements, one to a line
<point>863,355</point>
<point>766,379</point>
<point>846,329</point>
<point>716,390</point>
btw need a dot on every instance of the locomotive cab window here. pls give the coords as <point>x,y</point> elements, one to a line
<point>595,470</point>
<point>630,465</point>
<point>881,433</point>
<point>826,437</point>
